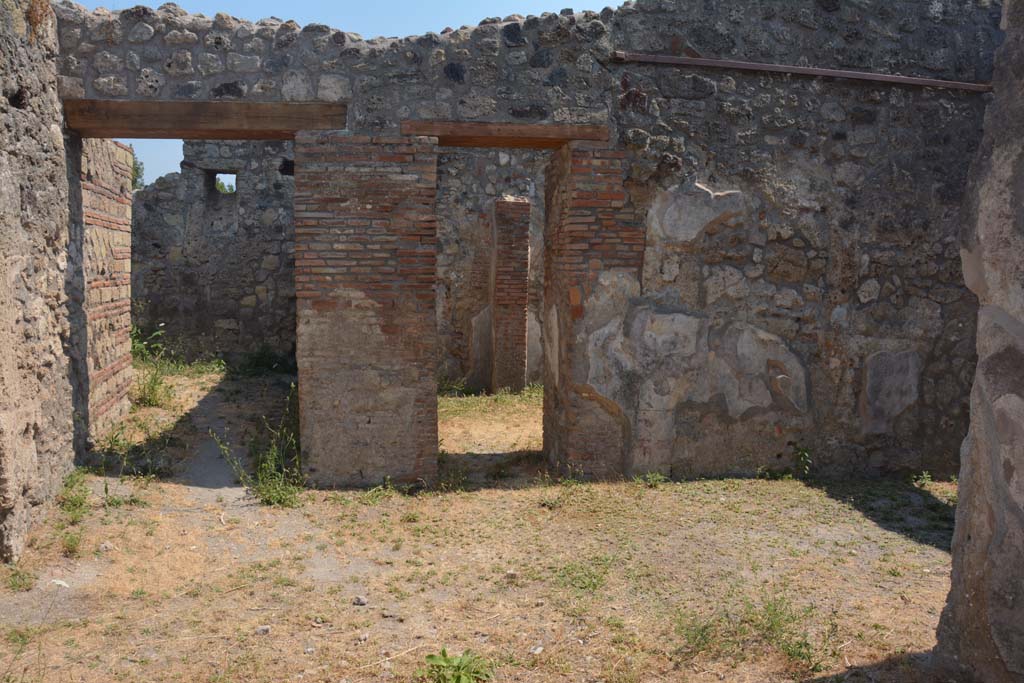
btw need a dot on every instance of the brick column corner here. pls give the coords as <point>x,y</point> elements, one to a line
<point>510,274</point>
<point>591,227</point>
<point>365,270</point>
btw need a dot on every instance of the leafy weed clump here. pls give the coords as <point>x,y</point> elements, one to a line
<point>772,622</point>
<point>465,668</point>
<point>121,455</point>
<point>20,580</point>
<point>651,480</point>
<point>151,389</point>
<point>277,478</point>
<point>74,498</point>
<point>378,494</point>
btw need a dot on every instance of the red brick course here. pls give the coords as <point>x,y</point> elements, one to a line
<point>365,282</point>
<point>365,271</point>
<point>106,182</point>
<point>510,292</point>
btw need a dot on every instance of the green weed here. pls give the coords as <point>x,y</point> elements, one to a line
<point>651,480</point>
<point>453,479</point>
<point>71,543</point>
<point>378,494</point>
<point>19,637</point>
<point>73,500</point>
<point>922,480</point>
<point>151,352</point>
<point>772,621</point>
<point>586,576</point>
<point>151,389</point>
<point>698,633</point>
<point>130,500</point>
<point>147,345</point>
<point>802,460</point>
<point>277,478</point>
<point>777,623</point>
<point>447,386</point>
<point>20,580</point>
<point>774,474</point>
<point>465,668</point>
<point>147,458</point>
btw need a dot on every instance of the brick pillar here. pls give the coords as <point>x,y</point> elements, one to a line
<point>591,228</point>
<point>509,292</point>
<point>106,186</point>
<point>365,256</point>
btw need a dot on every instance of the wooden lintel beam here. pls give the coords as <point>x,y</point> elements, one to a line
<point>201,120</point>
<point>518,135</point>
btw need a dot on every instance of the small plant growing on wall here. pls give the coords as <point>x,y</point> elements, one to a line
<point>801,460</point>
<point>138,173</point>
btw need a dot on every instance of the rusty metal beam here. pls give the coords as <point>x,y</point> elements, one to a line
<point>670,60</point>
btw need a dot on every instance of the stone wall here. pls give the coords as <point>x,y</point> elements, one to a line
<point>799,281</point>
<point>801,245</point>
<point>552,67</point>
<point>100,176</point>
<point>981,635</point>
<point>36,273</point>
<point>217,270</point>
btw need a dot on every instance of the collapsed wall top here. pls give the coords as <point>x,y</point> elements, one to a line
<point>551,68</point>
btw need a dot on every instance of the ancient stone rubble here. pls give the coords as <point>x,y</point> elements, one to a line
<point>827,212</point>
<point>750,263</point>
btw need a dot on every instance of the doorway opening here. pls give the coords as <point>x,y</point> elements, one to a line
<point>490,284</point>
<point>185,312</point>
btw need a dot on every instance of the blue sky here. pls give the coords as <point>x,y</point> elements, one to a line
<point>380,18</point>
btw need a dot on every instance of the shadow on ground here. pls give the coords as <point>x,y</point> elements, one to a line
<point>912,667</point>
<point>894,503</point>
<point>898,505</point>
<point>184,449</point>
<point>475,471</point>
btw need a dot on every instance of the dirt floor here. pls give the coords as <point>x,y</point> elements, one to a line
<point>188,578</point>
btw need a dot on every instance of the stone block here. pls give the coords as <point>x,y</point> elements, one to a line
<point>890,386</point>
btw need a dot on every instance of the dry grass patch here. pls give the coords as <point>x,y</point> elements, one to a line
<point>539,579</point>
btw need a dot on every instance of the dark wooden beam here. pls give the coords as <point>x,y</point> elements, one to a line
<point>672,60</point>
<point>201,120</point>
<point>522,135</point>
